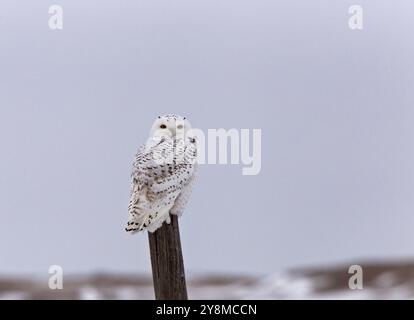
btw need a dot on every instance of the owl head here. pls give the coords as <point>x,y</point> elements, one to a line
<point>170,125</point>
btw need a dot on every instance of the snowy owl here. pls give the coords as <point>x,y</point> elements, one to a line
<point>163,174</point>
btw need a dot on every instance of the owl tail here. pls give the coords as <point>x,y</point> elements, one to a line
<point>137,220</point>
<point>134,227</point>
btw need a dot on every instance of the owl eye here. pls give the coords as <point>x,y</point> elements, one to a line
<point>180,126</point>
<point>163,126</point>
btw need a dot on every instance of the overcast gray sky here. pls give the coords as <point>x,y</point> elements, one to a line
<point>335,107</point>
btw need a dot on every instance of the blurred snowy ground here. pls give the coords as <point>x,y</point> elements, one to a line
<point>392,280</point>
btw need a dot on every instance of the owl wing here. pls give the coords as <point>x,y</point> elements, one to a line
<point>160,172</point>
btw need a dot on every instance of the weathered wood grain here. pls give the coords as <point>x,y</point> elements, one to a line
<point>167,262</point>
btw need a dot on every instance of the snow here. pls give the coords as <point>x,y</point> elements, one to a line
<point>381,281</point>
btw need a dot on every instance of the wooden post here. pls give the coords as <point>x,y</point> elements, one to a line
<point>167,262</point>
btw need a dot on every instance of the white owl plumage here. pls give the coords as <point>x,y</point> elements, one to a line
<point>163,174</point>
